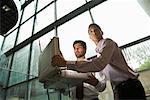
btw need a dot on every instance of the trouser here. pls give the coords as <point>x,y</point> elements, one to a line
<point>131,89</point>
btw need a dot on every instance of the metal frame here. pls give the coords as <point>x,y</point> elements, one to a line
<point>57,23</point>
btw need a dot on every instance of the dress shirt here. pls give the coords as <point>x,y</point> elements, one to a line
<point>111,61</point>
<point>91,91</point>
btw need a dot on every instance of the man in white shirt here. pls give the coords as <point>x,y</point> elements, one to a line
<point>111,61</point>
<point>96,83</point>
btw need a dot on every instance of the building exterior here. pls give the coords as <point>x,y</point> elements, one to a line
<point>38,22</point>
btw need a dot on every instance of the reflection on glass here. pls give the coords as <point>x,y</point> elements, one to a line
<point>19,66</point>
<point>35,58</point>
<point>138,55</point>
<point>3,70</point>
<point>1,40</point>
<point>38,92</point>
<point>9,41</point>
<point>17,92</point>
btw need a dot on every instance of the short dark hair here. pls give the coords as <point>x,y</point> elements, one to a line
<point>95,26</point>
<point>83,44</point>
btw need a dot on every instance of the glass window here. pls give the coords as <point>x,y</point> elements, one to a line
<point>4,70</point>
<point>9,41</point>
<point>38,92</point>
<point>17,92</point>
<point>44,18</point>
<point>42,4</point>
<point>21,1</point>
<point>66,6</point>
<point>29,11</point>
<point>34,59</point>
<point>1,40</point>
<point>25,31</point>
<point>75,29</point>
<point>38,46</point>
<point>138,56</point>
<point>20,66</point>
<point>44,40</point>
<point>122,20</point>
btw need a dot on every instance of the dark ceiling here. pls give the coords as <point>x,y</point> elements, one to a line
<point>8,16</point>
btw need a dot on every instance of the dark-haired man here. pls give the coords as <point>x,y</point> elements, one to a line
<point>96,83</point>
<point>111,61</point>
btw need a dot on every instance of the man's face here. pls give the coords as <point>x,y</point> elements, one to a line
<point>79,50</point>
<point>94,34</point>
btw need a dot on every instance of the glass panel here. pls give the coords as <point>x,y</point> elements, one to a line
<point>38,92</point>
<point>9,41</point>
<point>4,69</point>
<point>42,4</point>
<point>29,11</point>
<point>75,29</point>
<point>1,41</point>
<point>138,56</point>
<point>25,31</point>
<point>65,96</point>
<point>44,18</point>
<point>34,58</point>
<point>122,20</point>
<point>44,40</point>
<point>19,66</point>
<point>17,92</point>
<point>66,6</point>
<point>21,1</point>
<point>1,93</point>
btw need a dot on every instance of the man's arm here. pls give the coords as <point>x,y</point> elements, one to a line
<point>99,63</point>
<point>98,83</point>
<point>94,65</point>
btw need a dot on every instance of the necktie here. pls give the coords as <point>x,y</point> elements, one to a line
<point>79,91</point>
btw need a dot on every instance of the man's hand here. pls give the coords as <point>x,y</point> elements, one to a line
<point>92,80</point>
<point>58,60</point>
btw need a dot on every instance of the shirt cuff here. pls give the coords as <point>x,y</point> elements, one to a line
<point>101,85</point>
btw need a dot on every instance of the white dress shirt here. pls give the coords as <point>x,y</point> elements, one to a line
<point>90,91</point>
<point>111,61</point>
